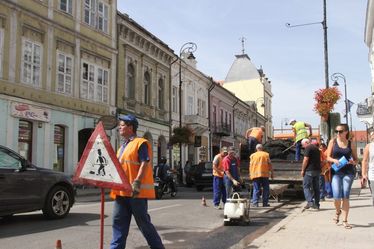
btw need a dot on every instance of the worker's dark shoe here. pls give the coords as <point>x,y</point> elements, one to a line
<point>266,205</point>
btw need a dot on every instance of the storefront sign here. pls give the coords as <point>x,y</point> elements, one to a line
<point>27,111</point>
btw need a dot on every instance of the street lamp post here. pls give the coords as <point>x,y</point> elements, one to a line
<point>335,77</point>
<point>262,105</point>
<point>187,49</point>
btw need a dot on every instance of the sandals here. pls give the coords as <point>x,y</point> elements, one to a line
<point>346,225</point>
<point>337,215</point>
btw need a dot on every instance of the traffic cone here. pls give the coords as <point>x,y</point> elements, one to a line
<point>58,244</point>
<point>203,201</point>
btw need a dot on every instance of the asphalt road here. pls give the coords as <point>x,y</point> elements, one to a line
<point>182,222</point>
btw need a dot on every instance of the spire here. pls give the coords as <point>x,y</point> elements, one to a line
<point>242,39</point>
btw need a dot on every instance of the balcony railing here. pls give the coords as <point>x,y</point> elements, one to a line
<point>222,129</point>
<point>363,109</point>
<point>196,120</point>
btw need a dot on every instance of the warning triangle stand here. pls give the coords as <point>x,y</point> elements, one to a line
<point>99,165</point>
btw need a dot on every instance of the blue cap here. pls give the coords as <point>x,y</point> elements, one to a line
<point>129,118</point>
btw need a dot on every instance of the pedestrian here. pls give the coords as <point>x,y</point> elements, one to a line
<point>368,166</point>
<point>342,179</point>
<point>300,132</point>
<point>254,136</point>
<point>219,190</point>
<point>260,169</point>
<point>231,167</point>
<point>310,171</point>
<point>135,155</point>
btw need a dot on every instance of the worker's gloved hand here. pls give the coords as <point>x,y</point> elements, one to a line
<point>135,188</point>
<point>235,182</point>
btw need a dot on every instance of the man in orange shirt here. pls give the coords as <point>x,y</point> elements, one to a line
<point>219,190</point>
<point>260,169</point>
<point>254,136</point>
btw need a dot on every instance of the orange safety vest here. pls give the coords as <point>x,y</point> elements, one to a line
<point>131,164</point>
<point>257,133</point>
<point>220,166</point>
<point>260,165</point>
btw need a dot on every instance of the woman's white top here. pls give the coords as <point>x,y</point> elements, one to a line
<point>371,162</point>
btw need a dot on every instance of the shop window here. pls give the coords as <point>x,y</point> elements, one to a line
<point>25,139</point>
<point>59,148</point>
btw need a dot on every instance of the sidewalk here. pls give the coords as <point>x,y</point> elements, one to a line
<point>316,229</point>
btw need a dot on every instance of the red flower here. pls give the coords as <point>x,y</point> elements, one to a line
<point>326,98</point>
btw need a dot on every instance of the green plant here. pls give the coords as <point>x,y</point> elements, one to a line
<point>181,135</point>
<point>325,99</point>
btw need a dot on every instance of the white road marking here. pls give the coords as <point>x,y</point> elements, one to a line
<point>165,207</point>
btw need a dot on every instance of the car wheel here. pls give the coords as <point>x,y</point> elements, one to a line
<point>58,202</point>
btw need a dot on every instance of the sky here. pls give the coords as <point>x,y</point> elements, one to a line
<point>292,58</point>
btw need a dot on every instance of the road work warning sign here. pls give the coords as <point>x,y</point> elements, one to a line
<point>99,165</point>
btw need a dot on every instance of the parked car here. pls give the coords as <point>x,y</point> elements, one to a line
<point>203,176</point>
<point>25,187</point>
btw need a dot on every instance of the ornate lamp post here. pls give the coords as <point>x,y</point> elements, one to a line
<point>187,49</point>
<point>262,105</point>
<point>335,77</point>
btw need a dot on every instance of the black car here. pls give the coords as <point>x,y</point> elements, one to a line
<point>25,188</point>
<point>203,175</point>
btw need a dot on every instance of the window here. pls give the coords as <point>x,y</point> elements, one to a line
<point>230,121</point>
<point>95,81</point>
<point>160,94</point>
<point>59,148</point>
<point>25,139</point>
<point>66,6</point>
<point>64,73</point>
<point>147,86</point>
<point>96,14</point>
<point>31,62</point>
<point>1,51</point>
<point>102,18</point>
<point>174,100</point>
<point>214,116</point>
<point>201,107</point>
<point>7,161</point>
<point>130,93</point>
<point>190,105</point>
<point>221,114</point>
<point>226,118</point>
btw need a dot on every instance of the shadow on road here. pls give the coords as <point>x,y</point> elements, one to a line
<point>36,223</point>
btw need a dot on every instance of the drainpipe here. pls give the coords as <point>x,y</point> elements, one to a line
<point>233,118</point>
<point>212,85</point>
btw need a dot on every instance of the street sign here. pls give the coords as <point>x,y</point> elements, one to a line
<point>99,165</point>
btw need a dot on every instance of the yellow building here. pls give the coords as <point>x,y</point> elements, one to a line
<point>57,76</point>
<point>250,85</point>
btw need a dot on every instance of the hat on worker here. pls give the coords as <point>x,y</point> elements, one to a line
<point>292,120</point>
<point>224,149</point>
<point>129,118</point>
<point>231,149</point>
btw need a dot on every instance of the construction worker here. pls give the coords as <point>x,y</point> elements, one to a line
<point>300,132</point>
<point>254,136</point>
<point>231,167</point>
<point>260,170</point>
<point>135,155</point>
<point>219,190</point>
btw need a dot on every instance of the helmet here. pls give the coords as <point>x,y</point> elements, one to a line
<point>163,159</point>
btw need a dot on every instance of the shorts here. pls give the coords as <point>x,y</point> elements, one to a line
<point>341,185</point>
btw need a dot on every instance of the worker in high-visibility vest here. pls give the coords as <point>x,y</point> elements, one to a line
<point>300,132</point>
<point>135,157</point>
<point>219,190</point>
<point>260,170</point>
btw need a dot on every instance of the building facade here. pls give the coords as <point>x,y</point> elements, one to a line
<point>143,84</point>
<point>57,76</point>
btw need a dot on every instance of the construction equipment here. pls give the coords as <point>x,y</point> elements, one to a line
<point>236,210</point>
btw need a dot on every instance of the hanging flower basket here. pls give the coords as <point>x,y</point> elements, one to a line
<point>325,99</point>
<point>181,135</point>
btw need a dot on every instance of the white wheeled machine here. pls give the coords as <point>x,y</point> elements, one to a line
<point>236,210</point>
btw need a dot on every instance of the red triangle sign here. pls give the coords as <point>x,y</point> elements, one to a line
<point>99,165</point>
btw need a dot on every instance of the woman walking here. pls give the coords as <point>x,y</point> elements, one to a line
<point>342,179</point>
